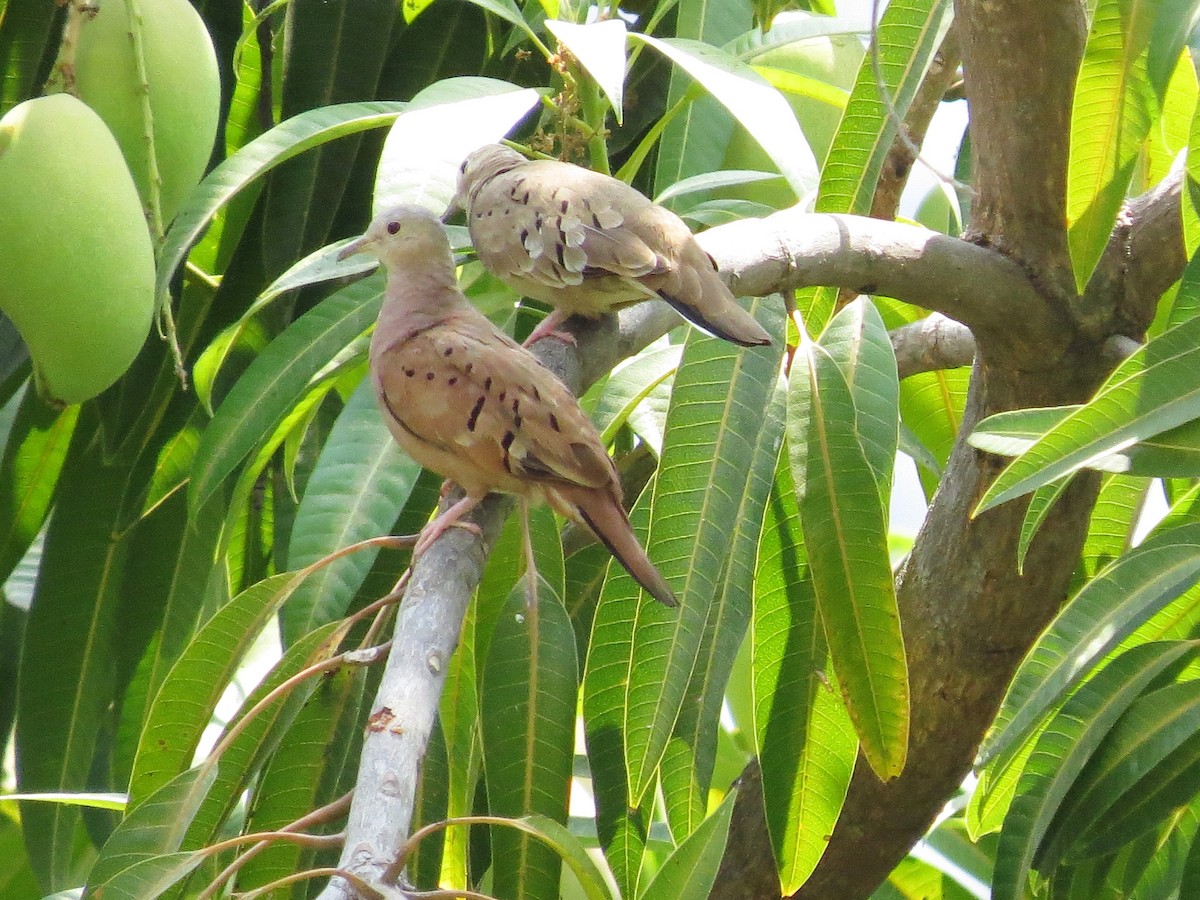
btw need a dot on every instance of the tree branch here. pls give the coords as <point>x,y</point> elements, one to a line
<point>986,291</point>
<point>943,72</point>
<point>1145,255</point>
<point>932,344</point>
<point>1019,64</point>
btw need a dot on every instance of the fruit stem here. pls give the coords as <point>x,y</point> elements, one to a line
<point>153,196</point>
<point>62,75</point>
<point>166,320</point>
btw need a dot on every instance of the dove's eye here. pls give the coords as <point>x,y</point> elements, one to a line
<point>463,168</point>
<point>393,227</point>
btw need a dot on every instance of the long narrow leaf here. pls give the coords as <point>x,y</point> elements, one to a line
<point>695,502</point>
<point>1155,389</point>
<point>189,695</point>
<point>67,676</point>
<point>844,529</point>
<point>1154,726</point>
<point>689,872</point>
<point>805,741</point>
<point>527,698</point>
<point>268,390</point>
<point>687,767</point>
<point>360,483</point>
<point>281,143</point>
<point>1108,608</point>
<point>750,98</point>
<point>1061,752</point>
<point>1113,110</point>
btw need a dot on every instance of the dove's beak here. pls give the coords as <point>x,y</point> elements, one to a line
<point>358,246</point>
<point>456,205</point>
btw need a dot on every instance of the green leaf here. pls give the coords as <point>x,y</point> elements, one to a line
<point>27,34</point>
<point>845,532</point>
<point>268,390</point>
<point>464,113</point>
<point>527,702</point>
<point>629,384</point>
<point>156,827</point>
<point>304,771</point>
<point>1114,107</point>
<point>34,452</point>
<point>67,679</point>
<point>621,829</point>
<point>281,143</point>
<point>760,108</point>
<point>1121,772</point>
<point>907,37</point>
<point>356,490</point>
<point>1108,608</point>
<point>997,785</point>
<point>1174,453</point>
<point>16,881</point>
<point>686,771</point>
<point>1155,389</point>
<point>803,735</point>
<point>689,872</point>
<point>185,702</point>
<point>510,13</point>
<point>694,131</point>
<point>1062,750</point>
<point>858,341</point>
<point>458,715</point>
<point>257,737</point>
<point>708,450</point>
<point>302,196</point>
<point>569,849</point>
<point>713,180</point>
<point>931,407</point>
<point>1112,524</point>
<point>798,29</point>
<point>1040,504</point>
<point>150,877</point>
<point>600,49</point>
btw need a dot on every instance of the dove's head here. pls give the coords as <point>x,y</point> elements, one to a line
<point>401,235</point>
<point>480,167</point>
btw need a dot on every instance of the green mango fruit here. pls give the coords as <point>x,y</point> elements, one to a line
<point>181,81</point>
<point>76,260</point>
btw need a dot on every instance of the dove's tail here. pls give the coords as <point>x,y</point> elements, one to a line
<point>697,293</point>
<point>603,514</point>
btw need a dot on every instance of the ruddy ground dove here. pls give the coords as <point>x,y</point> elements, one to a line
<point>466,401</point>
<point>587,243</point>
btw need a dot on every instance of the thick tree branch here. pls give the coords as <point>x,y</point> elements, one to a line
<point>1019,64</point>
<point>1145,255</point>
<point>977,286</point>
<point>931,344</point>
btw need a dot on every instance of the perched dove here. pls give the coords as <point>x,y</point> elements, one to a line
<point>466,401</point>
<point>586,244</point>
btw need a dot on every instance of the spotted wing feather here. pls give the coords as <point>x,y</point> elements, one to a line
<point>492,414</point>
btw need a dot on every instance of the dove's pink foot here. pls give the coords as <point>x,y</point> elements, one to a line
<point>447,519</point>
<point>551,326</point>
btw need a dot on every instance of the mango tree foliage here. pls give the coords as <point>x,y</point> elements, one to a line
<point>199,590</point>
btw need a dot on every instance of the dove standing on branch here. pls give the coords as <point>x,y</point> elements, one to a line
<point>468,402</point>
<point>587,244</point>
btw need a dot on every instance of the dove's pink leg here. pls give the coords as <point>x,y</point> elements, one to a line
<point>447,519</point>
<point>551,327</point>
